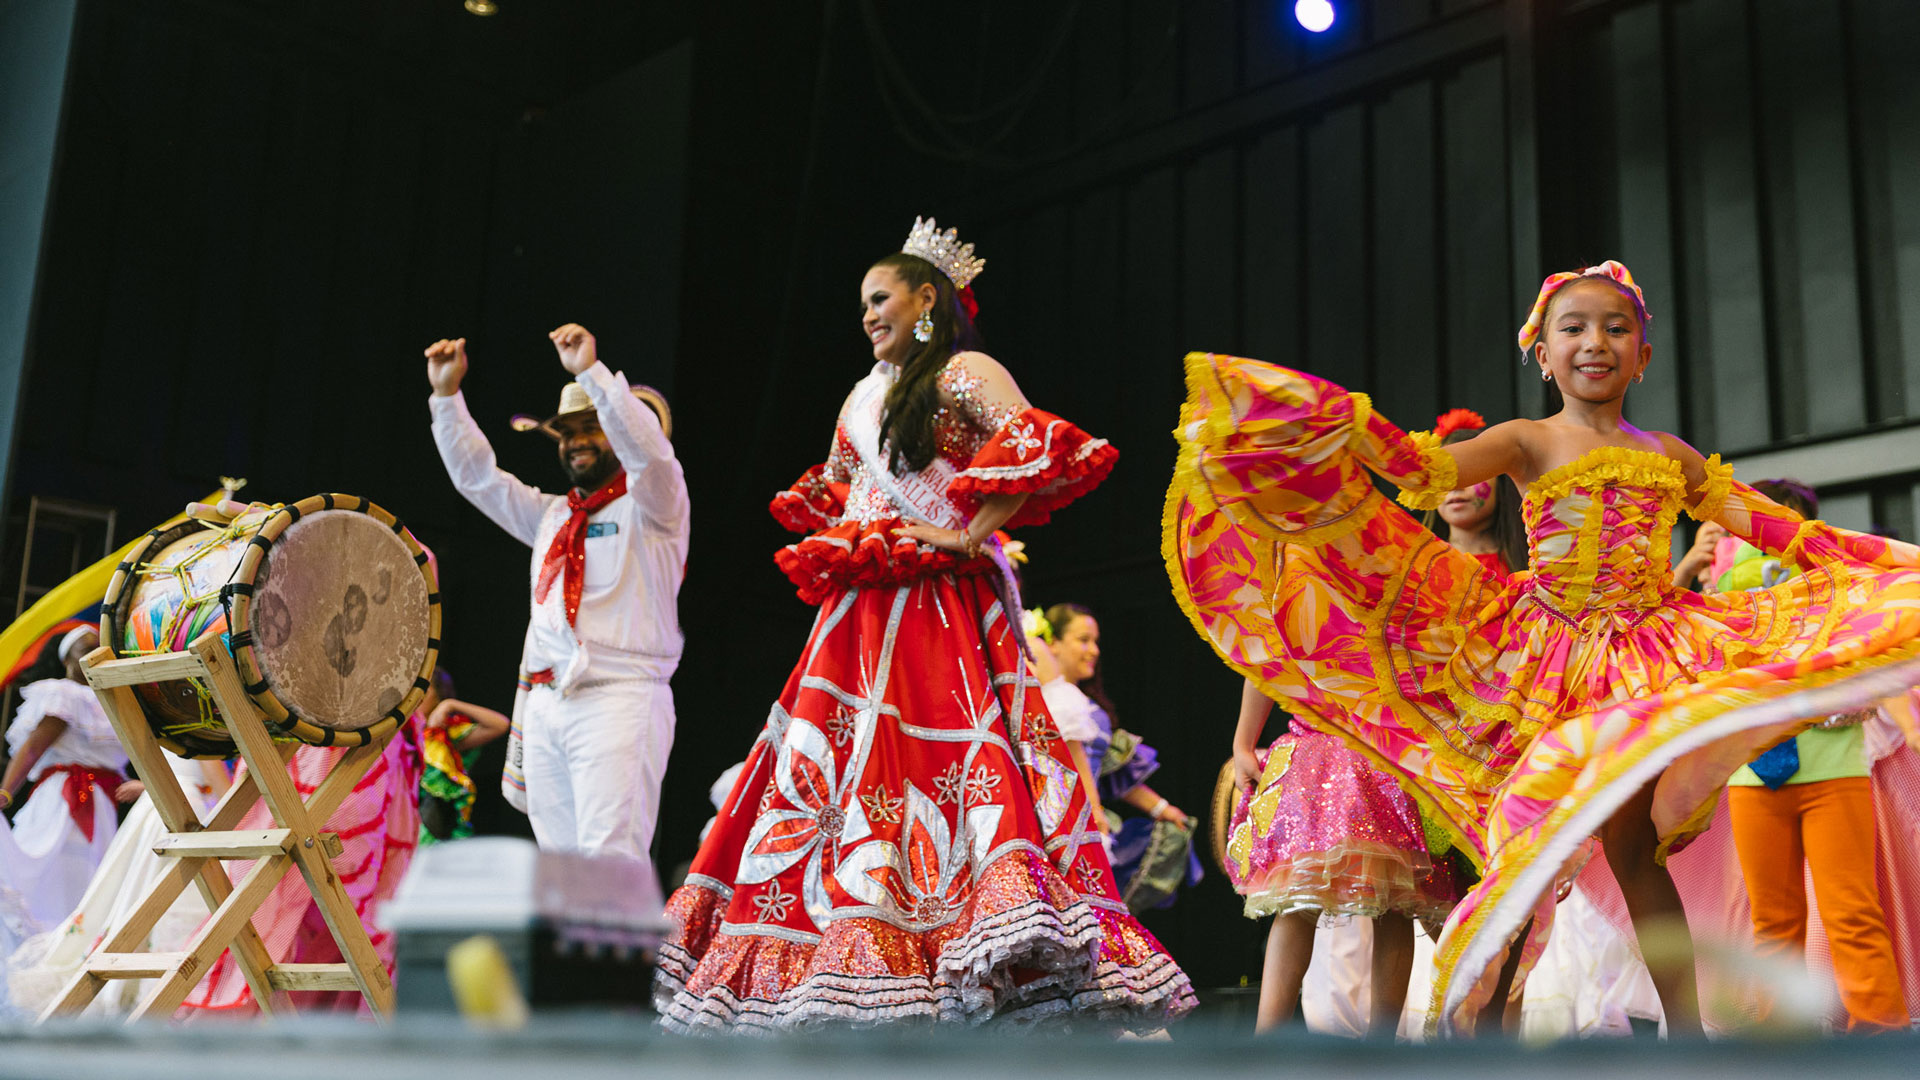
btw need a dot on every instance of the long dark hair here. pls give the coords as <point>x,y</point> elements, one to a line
<point>1508,528</point>
<point>1059,617</point>
<point>906,425</point>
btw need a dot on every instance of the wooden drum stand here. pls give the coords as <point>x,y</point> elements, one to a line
<point>197,852</point>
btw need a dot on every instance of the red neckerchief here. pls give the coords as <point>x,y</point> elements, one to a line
<point>568,552</point>
<point>77,787</point>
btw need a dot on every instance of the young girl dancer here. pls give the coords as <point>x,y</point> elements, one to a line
<point>1319,833</point>
<point>1586,696</point>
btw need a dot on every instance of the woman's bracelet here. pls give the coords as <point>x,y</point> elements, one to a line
<point>6,799</point>
<point>1158,809</point>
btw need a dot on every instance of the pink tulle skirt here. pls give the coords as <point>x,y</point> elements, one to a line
<point>1324,831</point>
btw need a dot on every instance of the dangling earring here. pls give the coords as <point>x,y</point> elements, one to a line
<point>923,327</point>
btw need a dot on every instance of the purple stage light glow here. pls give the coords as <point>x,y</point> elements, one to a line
<point>1315,15</point>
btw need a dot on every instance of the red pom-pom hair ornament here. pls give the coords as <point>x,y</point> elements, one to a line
<point>1458,420</point>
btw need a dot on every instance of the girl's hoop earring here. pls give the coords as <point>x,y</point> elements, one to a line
<point>1546,376</point>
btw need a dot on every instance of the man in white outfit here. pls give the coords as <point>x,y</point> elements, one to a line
<point>593,720</point>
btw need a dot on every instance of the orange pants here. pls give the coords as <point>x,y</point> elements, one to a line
<point>1826,827</point>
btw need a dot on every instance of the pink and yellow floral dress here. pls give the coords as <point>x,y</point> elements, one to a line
<point>1521,713</point>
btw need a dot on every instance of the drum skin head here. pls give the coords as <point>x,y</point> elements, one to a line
<point>339,619</point>
<point>334,612</point>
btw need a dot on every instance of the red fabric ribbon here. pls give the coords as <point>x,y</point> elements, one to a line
<point>567,555</point>
<point>77,788</point>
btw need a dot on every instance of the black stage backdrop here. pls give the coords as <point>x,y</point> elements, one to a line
<point>262,214</point>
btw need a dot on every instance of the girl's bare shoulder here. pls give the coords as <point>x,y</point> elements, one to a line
<point>1691,461</point>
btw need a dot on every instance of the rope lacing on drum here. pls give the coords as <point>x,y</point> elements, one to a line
<point>173,627</point>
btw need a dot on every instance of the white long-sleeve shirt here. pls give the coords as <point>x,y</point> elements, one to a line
<point>628,625</point>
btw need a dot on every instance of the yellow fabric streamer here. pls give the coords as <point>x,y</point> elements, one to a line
<point>67,600</point>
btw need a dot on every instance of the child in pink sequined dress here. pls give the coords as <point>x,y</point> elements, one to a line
<point>1319,833</point>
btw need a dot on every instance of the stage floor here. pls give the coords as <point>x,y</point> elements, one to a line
<point>602,1045</point>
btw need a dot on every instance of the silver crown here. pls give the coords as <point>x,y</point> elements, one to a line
<point>944,250</point>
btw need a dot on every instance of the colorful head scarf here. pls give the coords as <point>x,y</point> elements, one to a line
<point>1530,333</point>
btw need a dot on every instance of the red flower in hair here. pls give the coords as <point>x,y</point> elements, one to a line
<point>1458,420</point>
<point>967,301</point>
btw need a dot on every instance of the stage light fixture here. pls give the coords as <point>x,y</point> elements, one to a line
<point>481,7</point>
<point>1315,15</point>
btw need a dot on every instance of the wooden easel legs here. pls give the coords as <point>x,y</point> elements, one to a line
<point>296,842</point>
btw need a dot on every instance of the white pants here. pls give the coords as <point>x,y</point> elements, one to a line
<point>593,763</point>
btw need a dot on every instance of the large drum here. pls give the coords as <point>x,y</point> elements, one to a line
<point>328,606</point>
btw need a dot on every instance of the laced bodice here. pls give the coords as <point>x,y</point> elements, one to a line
<point>1599,529</point>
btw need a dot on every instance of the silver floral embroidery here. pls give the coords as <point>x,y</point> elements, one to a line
<point>982,786</point>
<point>841,726</point>
<point>1041,735</point>
<point>881,806</point>
<point>947,787</point>
<point>812,825</point>
<point>1020,439</point>
<point>923,878</point>
<point>773,904</point>
<point>1091,878</point>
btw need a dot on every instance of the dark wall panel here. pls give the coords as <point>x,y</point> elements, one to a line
<point>1336,287</point>
<point>1267,43</point>
<point>1207,29</point>
<point>1274,245</point>
<point>35,45</point>
<point>1889,98</point>
<point>1886,97</point>
<point>1726,310</point>
<point>1210,242</point>
<point>1478,298</point>
<point>1638,63</point>
<point>1153,58</point>
<point>1405,338</point>
<point>1392,17</point>
<point>1801,84</point>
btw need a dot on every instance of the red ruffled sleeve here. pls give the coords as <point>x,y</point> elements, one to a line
<point>813,503</point>
<point>1042,456</point>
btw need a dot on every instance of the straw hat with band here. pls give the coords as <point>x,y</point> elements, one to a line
<point>573,400</point>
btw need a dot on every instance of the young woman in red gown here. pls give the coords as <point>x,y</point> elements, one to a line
<point>908,839</point>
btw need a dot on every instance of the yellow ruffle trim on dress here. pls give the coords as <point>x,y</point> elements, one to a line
<point>1714,495</point>
<point>1618,464</point>
<point>1807,528</point>
<point>1442,472</point>
<point>1362,412</point>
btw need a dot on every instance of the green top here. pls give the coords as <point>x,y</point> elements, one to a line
<point>1825,754</point>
